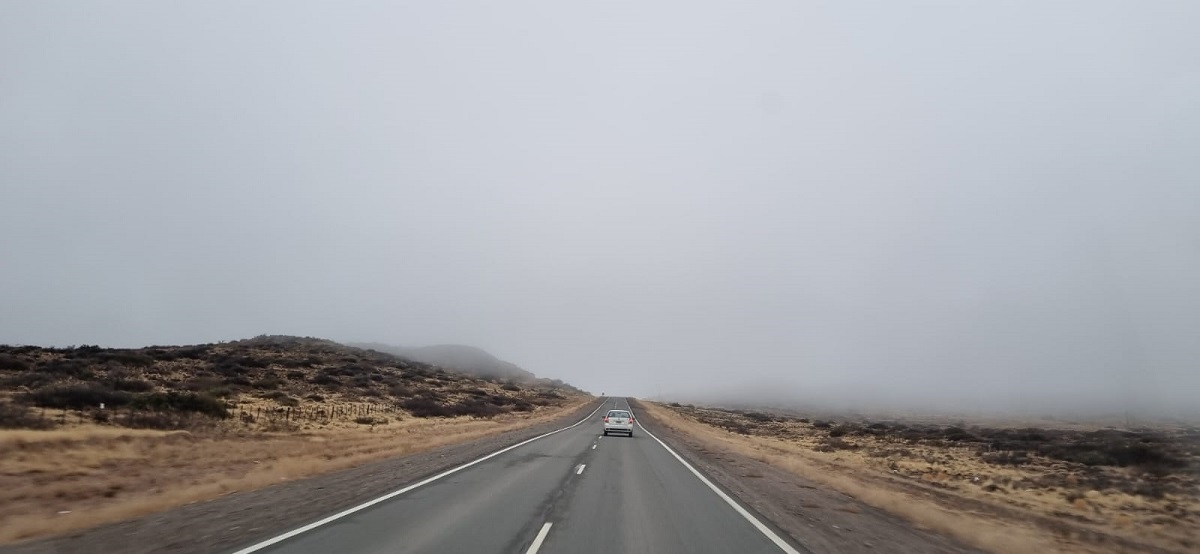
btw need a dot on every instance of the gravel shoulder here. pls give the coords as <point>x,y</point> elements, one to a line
<point>820,519</point>
<point>241,518</point>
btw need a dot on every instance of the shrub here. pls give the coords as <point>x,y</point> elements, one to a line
<point>758,417</point>
<point>158,420</point>
<point>203,383</point>
<point>478,409</point>
<point>13,416</point>
<point>250,361</point>
<point>401,391</point>
<point>238,381</point>
<point>162,355</point>
<point>326,379</point>
<point>67,368</point>
<point>821,424</point>
<point>843,430</point>
<point>286,400</point>
<point>78,396</point>
<point>181,402</point>
<point>132,385</point>
<point>510,387</point>
<point>120,379</point>
<point>957,434</point>
<point>12,363</point>
<point>126,357</point>
<point>501,400</point>
<point>315,397</point>
<point>1005,458</point>
<point>230,369</point>
<point>29,379</point>
<point>193,353</point>
<point>835,443</point>
<point>267,383</point>
<point>424,407</point>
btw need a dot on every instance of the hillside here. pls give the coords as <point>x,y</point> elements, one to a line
<point>467,359</point>
<point>267,375</point>
<point>183,424</point>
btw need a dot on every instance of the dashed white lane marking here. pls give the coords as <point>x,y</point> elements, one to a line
<point>539,539</point>
<point>368,504</point>
<point>579,469</point>
<point>593,447</point>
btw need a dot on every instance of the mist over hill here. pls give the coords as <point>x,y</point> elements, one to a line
<point>467,359</point>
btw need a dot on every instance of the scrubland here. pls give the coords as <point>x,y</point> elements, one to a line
<point>1073,488</point>
<point>187,424</point>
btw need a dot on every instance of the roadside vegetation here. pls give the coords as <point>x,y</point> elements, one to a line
<point>996,487</point>
<point>91,435</point>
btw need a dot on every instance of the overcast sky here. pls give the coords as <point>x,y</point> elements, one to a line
<point>972,203</point>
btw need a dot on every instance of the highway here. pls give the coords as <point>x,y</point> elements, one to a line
<point>571,491</point>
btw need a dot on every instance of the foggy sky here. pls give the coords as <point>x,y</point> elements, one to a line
<point>942,203</point>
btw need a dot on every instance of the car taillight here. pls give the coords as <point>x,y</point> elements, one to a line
<point>606,419</point>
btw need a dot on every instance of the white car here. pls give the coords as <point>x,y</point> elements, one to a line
<point>618,421</point>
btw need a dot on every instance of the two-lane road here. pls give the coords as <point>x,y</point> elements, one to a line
<point>572,491</point>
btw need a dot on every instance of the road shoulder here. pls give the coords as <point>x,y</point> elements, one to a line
<point>237,519</point>
<point>820,519</point>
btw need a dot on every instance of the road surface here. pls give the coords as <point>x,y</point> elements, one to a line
<point>572,491</point>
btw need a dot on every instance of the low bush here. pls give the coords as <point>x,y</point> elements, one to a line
<point>126,357</point>
<point>1005,458</point>
<point>424,407</point>
<point>67,368</point>
<point>181,402</point>
<point>835,443</point>
<point>401,391</point>
<point>78,396</point>
<point>326,379</point>
<point>12,363</point>
<point>267,383</point>
<point>28,379</point>
<point>759,417</point>
<point>15,416</point>
<point>477,408</point>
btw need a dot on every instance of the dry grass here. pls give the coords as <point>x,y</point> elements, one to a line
<point>953,492</point>
<point>54,482</point>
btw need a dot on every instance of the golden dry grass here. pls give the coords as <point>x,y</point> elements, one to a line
<point>930,503</point>
<point>58,481</point>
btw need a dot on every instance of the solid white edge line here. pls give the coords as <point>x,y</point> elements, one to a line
<point>537,541</point>
<point>280,538</point>
<point>766,531</point>
<point>580,470</point>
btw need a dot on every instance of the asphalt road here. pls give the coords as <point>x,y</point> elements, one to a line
<point>573,491</point>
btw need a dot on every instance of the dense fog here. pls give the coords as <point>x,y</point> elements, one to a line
<point>933,205</point>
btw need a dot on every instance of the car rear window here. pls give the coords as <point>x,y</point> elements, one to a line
<point>618,414</point>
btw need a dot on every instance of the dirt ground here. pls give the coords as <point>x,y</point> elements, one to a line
<point>995,489</point>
